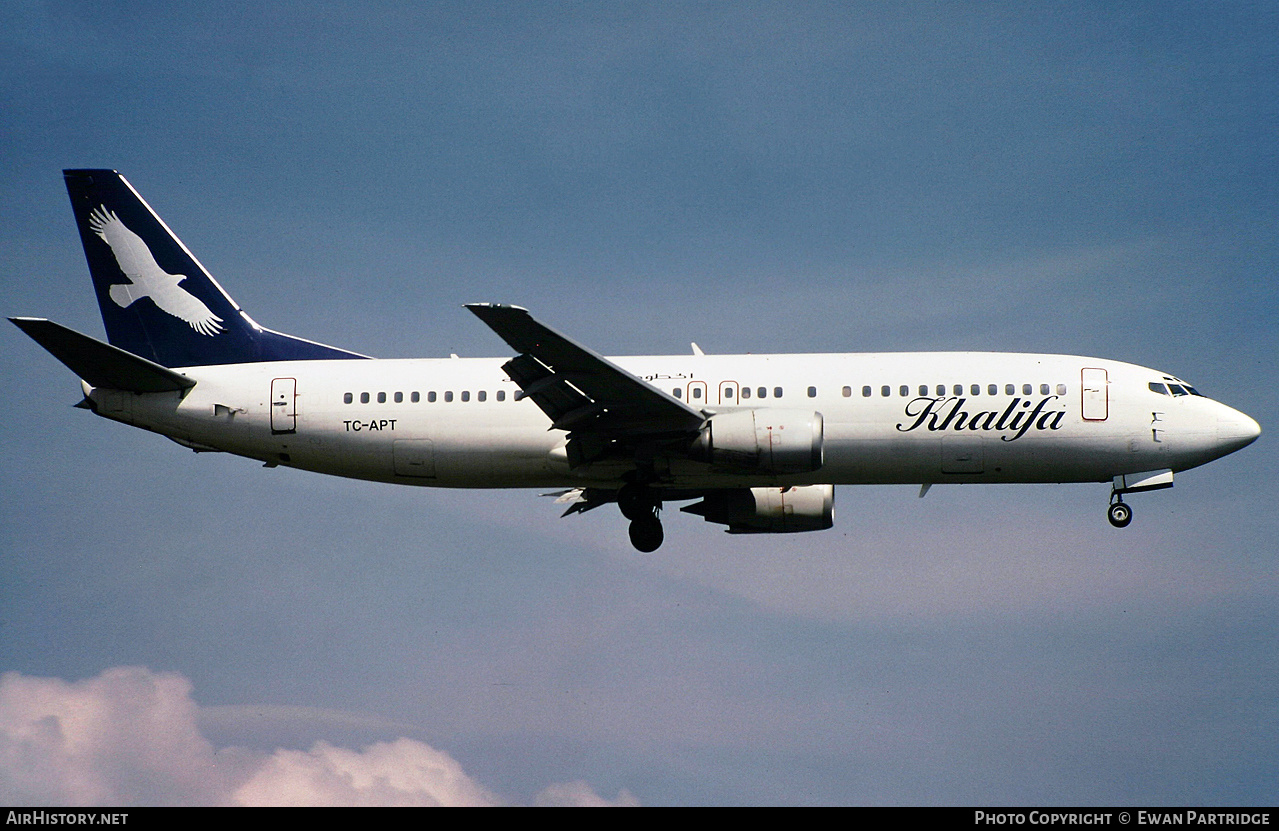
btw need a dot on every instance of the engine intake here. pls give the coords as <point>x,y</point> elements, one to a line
<point>762,441</point>
<point>769,510</point>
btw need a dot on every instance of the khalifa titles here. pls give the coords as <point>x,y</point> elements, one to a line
<point>948,413</point>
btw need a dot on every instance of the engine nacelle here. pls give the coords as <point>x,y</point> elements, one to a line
<point>762,441</point>
<point>769,510</point>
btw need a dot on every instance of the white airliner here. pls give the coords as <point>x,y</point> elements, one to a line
<point>759,441</point>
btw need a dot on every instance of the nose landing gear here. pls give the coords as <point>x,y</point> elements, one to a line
<point>1119,513</point>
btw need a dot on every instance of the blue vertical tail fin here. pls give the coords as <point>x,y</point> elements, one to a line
<point>157,300</point>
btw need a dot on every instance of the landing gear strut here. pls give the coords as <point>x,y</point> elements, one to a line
<point>1119,513</point>
<point>640,504</point>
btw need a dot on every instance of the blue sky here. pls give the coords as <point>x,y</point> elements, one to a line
<point>1092,179</point>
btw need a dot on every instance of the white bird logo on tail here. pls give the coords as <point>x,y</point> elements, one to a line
<point>148,279</point>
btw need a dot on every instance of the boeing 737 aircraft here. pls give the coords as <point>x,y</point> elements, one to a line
<point>755,442</point>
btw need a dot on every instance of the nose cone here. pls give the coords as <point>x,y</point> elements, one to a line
<point>1236,430</point>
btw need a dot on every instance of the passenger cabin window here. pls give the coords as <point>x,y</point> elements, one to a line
<point>847,392</point>
<point>812,392</point>
<point>364,398</point>
<point>348,398</point>
<point>415,397</point>
<point>746,392</point>
<point>762,392</point>
<point>501,395</point>
<point>866,391</point>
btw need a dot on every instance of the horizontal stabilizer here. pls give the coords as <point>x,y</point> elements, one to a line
<point>101,364</point>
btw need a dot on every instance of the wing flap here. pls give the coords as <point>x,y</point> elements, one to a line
<point>550,391</point>
<point>580,390</point>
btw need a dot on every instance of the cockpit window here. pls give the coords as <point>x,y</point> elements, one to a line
<point>1173,387</point>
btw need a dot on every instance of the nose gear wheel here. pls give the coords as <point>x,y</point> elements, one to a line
<point>1119,513</point>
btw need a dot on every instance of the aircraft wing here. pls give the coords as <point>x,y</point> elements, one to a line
<point>581,391</point>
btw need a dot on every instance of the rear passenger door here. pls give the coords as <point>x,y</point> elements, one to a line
<point>284,412</point>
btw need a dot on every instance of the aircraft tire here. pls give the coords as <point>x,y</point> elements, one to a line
<point>1119,515</point>
<point>635,502</point>
<point>646,534</point>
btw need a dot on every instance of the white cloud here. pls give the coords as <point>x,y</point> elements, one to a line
<point>127,736</point>
<point>580,795</point>
<point>403,772</point>
<point>130,737</point>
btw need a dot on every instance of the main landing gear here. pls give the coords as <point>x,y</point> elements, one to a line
<point>1118,513</point>
<point>641,504</point>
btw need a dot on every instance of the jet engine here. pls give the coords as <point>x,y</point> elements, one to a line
<point>762,441</point>
<point>769,510</point>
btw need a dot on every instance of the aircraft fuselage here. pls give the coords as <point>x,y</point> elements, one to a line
<point>888,418</point>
